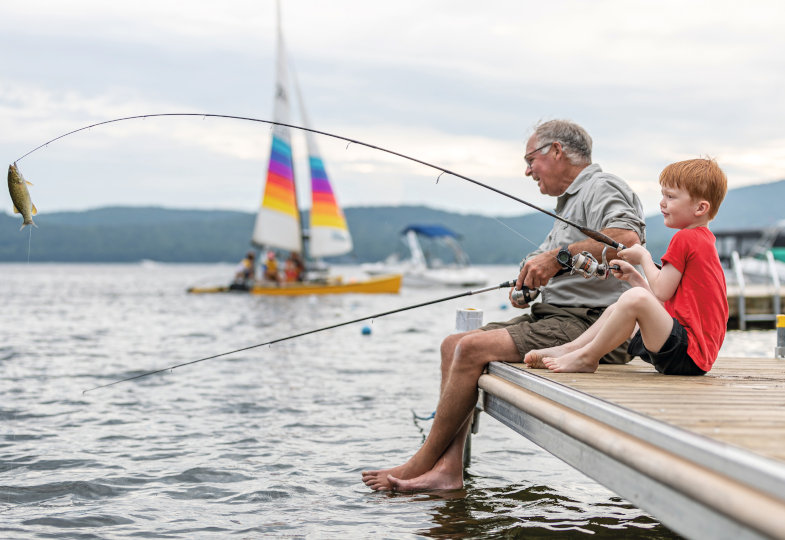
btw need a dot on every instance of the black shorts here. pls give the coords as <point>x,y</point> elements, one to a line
<point>672,358</point>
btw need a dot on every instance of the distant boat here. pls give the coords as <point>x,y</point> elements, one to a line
<point>753,255</point>
<point>278,224</point>
<point>433,256</point>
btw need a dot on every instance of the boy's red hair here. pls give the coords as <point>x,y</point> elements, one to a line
<point>702,178</point>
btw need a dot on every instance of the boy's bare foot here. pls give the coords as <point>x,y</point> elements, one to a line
<point>573,362</point>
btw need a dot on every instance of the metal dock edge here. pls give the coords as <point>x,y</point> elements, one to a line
<point>694,485</point>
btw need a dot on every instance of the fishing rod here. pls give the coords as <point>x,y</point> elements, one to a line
<point>594,235</point>
<point>525,294</point>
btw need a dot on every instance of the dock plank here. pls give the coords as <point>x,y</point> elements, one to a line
<point>741,401</point>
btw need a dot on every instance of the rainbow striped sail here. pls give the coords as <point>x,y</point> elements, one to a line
<point>278,220</point>
<point>328,234</point>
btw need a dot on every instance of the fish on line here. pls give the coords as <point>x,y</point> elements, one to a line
<point>20,196</point>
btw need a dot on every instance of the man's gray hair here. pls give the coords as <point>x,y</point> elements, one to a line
<point>573,138</point>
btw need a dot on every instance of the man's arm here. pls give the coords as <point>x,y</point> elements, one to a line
<point>539,269</point>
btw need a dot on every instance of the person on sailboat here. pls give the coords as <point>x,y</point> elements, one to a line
<point>244,275</point>
<point>294,269</point>
<point>558,158</point>
<point>271,268</point>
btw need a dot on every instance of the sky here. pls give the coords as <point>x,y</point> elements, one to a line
<point>456,83</point>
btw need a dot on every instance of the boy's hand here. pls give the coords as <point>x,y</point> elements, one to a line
<point>628,273</point>
<point>634,254</point>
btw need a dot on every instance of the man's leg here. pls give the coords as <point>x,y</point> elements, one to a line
<point>449,344</point>
<point>472,353</point>
<point>447,473</point>
<point>378,479</point>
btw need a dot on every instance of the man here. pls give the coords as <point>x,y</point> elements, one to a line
<point>558,158</point>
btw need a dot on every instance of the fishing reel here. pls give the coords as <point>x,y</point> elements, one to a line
<point>524,295</point>
<point>586,264</point>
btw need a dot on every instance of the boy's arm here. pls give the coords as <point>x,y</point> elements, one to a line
<point>665,283</point>
<point>662,282</point>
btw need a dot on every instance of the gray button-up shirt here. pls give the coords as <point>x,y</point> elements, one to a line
<point>597,200</point>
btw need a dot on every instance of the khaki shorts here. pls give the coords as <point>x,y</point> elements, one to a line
<point>549,326</point>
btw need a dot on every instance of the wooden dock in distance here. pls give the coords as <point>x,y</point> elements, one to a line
<point>704,455</point>
<point>759,305</point>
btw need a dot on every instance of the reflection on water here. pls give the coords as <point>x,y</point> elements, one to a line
<point>529,511</point>
<point>266,442</point>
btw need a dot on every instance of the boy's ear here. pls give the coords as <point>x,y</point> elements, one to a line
<point>702,208</point>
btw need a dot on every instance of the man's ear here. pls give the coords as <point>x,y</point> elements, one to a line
<point>557,149</point>
<point>702,208</point>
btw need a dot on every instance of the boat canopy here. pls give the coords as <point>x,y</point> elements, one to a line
<point>431,231</point>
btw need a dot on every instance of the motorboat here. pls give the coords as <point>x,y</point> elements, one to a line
<point>430,255</point>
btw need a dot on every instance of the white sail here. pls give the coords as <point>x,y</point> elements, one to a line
<point>278,220</point>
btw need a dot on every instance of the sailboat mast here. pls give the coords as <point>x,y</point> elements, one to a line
<point>283,57</point>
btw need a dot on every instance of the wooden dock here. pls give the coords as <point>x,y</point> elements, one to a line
<point>759,308</point>
<point>704,455</point>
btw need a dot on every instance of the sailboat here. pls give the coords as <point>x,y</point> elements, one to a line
<point>278,224</point>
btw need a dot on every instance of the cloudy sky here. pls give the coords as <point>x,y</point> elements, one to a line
<point>457,83</point>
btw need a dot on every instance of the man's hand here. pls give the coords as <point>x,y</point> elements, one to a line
<point>513,302</point>
<point>538,270</point>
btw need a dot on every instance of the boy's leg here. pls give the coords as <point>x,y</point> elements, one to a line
<point>534,358</point>
<point>636,305</point>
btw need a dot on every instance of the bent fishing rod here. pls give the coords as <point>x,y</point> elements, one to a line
<point>594,235</point>
<point>525,294</point>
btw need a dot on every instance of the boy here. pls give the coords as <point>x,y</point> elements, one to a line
<point>681,311</point>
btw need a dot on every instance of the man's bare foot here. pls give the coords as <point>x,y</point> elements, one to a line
<point>378,480</point>
<point>534,358</point>
<point>573,362</point>
<point>436,478</point>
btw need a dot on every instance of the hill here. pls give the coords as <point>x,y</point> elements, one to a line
<point>130,234</point>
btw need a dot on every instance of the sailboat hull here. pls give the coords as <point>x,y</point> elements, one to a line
<point>387,284</point>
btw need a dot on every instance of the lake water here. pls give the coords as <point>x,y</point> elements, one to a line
<point>268,442</point>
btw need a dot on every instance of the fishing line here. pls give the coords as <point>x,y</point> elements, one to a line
<point>516,232</point>
<point>301,334</point>
<point>594,235</point>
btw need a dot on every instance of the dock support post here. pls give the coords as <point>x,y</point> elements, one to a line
<point>736,265</point>
<point>465,320</point>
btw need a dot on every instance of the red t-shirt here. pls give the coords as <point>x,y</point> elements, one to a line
<point>700,302</point>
